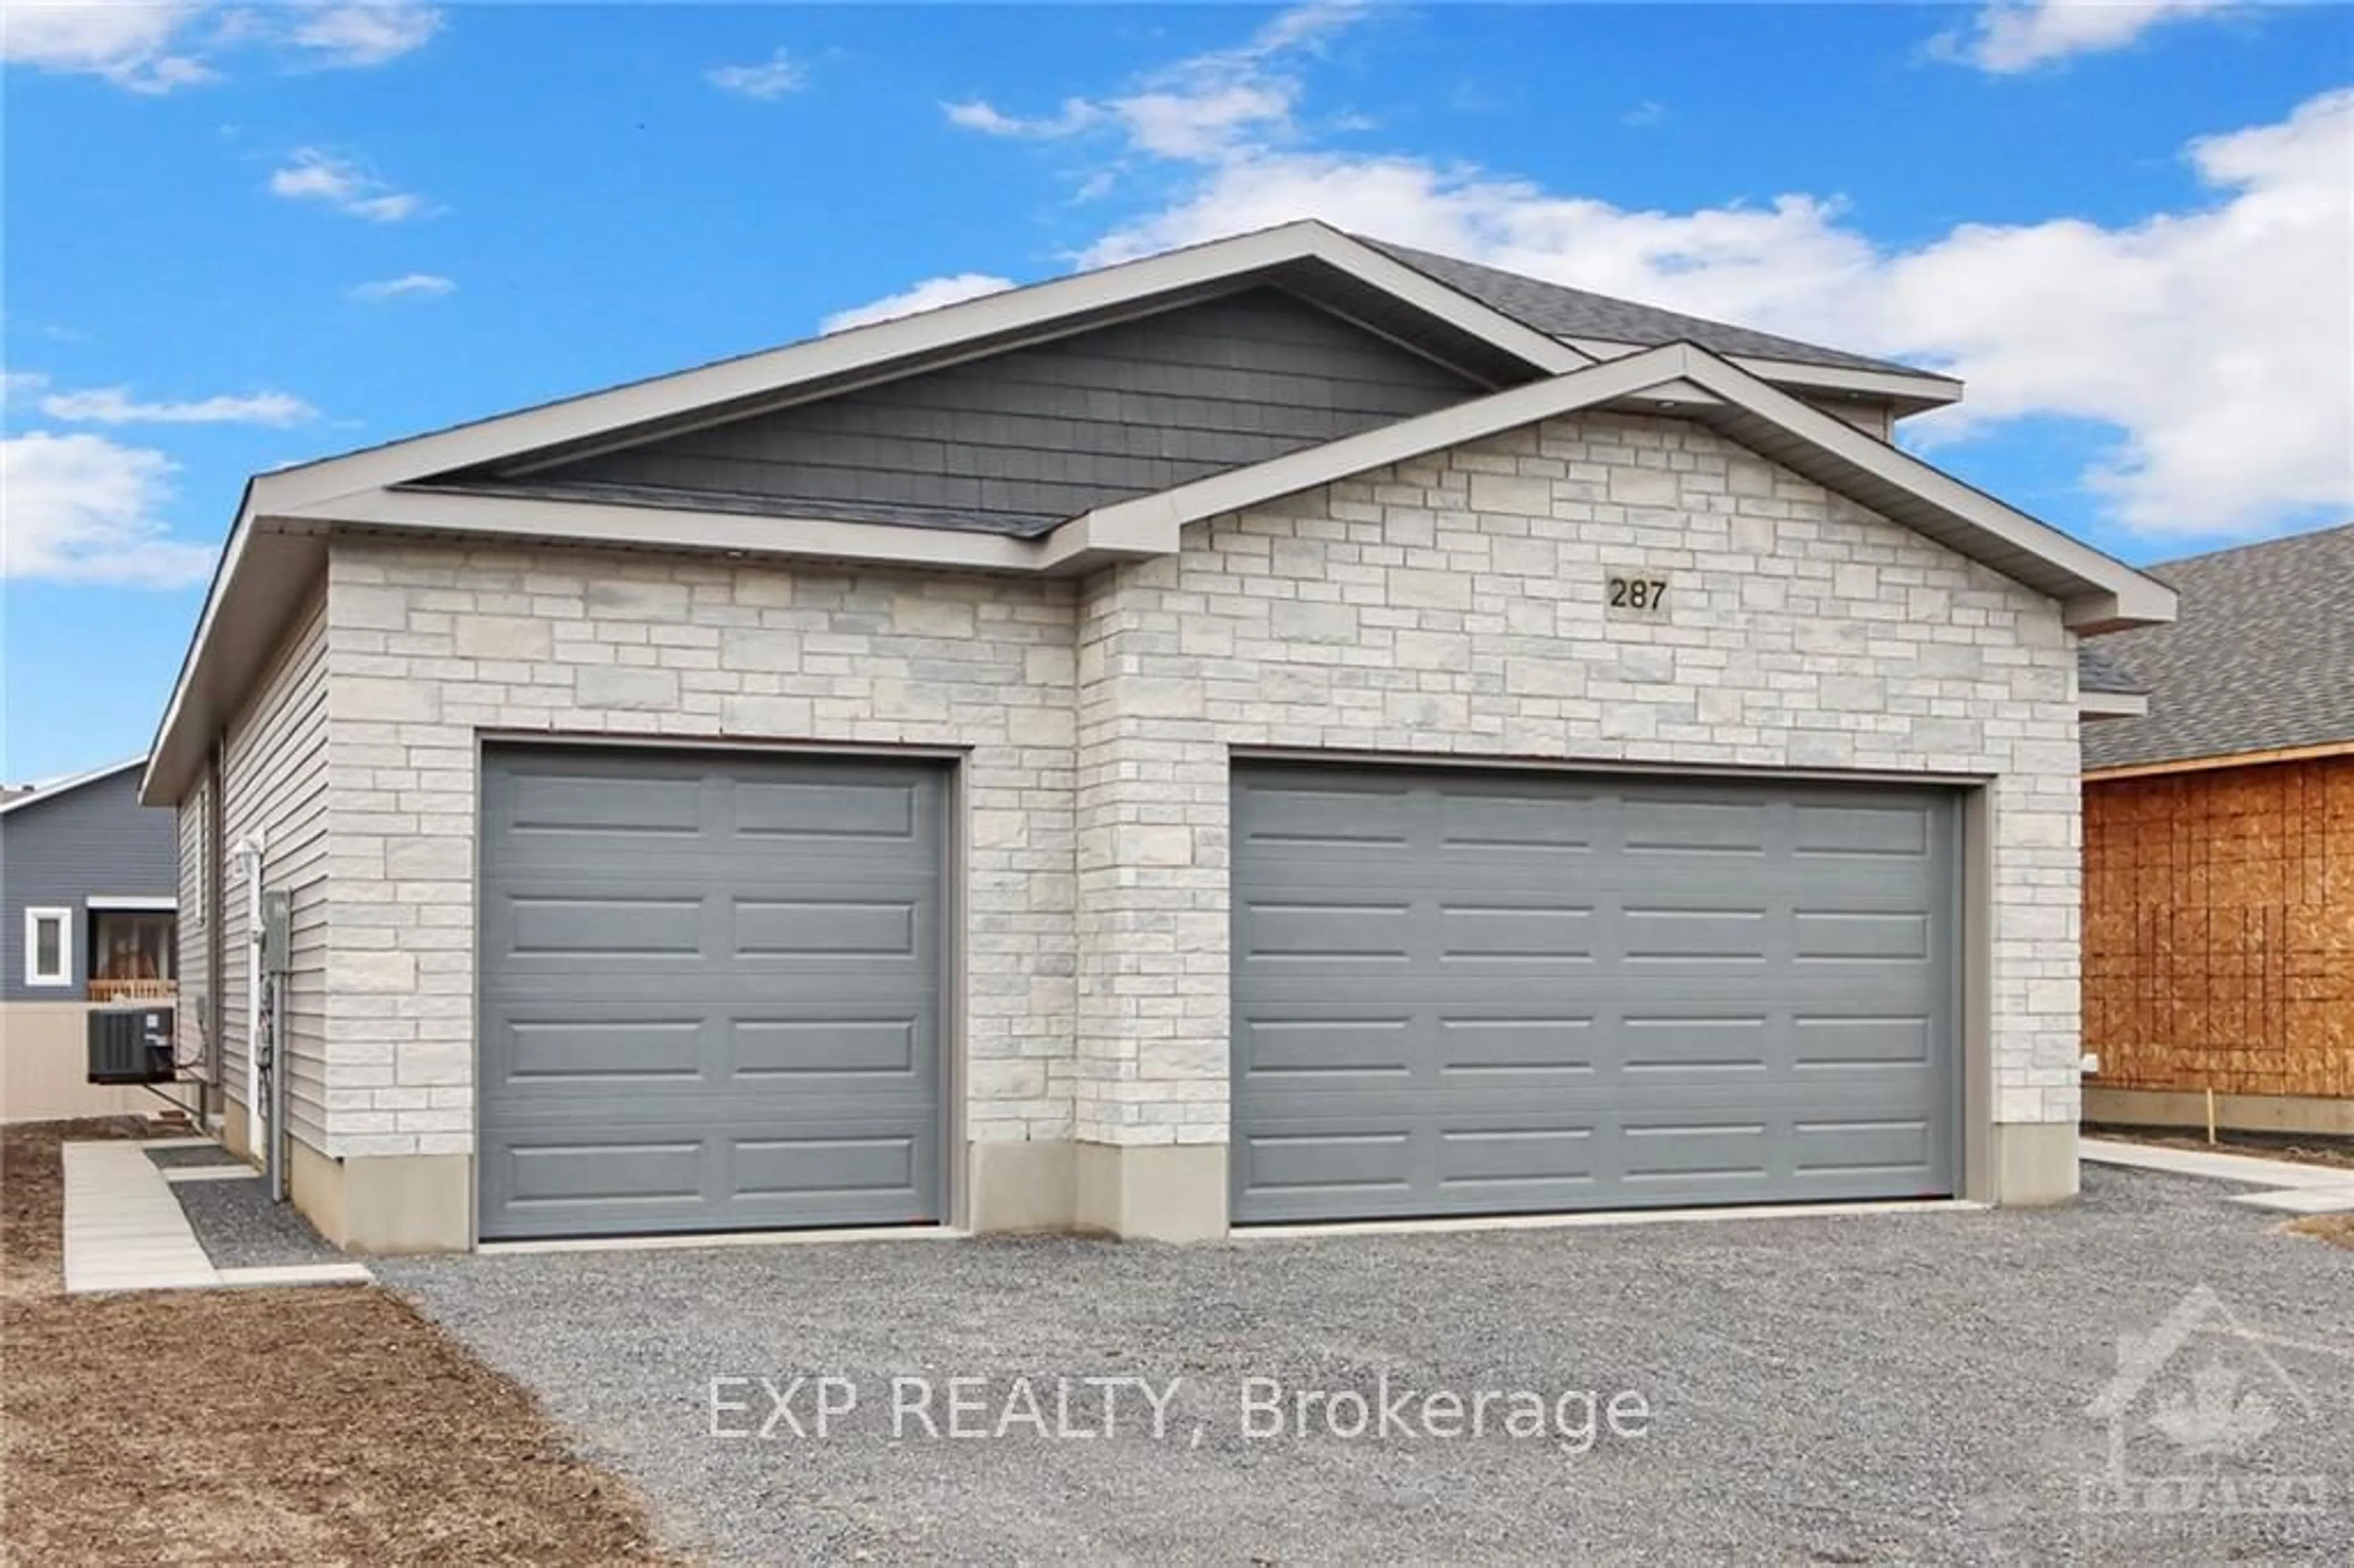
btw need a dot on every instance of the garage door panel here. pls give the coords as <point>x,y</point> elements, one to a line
<point>1712,993</point>
<point>1501,818</point>
<point>810,1050</point>
<point>1312,1172</point>
<point>1849,831</point>
<point>1722,1150</point>
<point>1861,934</point>
<point>1533,1151</point>
<point>832,928</point>
<point>1897,1146</point>
<point>1317,928</point>
<point>1648,934</point>
<point>596,1051</point>
<point>1835,1043</point>
<point>709,992</point>
<point>1475,1050</point>
<point>883,1164</point>
<point>1687,1046</point>
<point>1508,927</point>
<point>606,926</point>
<point>828,810</point>
<point>637,1169</point>
<point>1327,1048</point>
<point>1651,828</point>
<point>599,803</point>
<point>1311,816</point>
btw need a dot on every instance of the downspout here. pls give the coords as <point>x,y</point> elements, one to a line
<point>214,894</point>
<point>257,1114</point>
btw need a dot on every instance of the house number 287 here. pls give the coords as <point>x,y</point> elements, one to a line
<point>1638,596</point>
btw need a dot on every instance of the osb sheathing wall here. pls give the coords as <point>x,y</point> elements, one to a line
<point>2219,930</point>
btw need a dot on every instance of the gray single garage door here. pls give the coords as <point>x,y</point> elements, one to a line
<point>710,991</point>
<point>1459,992</point>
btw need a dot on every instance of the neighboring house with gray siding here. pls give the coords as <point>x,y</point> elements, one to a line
<point>88,891</point>
<point>1284,730</point>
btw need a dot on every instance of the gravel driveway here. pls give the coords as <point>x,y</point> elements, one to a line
<point>1834,1388</point>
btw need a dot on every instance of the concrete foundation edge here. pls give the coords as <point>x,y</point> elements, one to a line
<point>1016,1189</point>
<point>2034,1164</point>
<point>1167,1192</point>
<point>1154,1192</point>
<point>2240,1113</point>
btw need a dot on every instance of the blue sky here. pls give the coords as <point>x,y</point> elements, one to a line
<point>240,238</point>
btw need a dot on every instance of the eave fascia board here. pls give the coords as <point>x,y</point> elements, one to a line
<point>154,790</point>
<point>1152,523</point>
<point>1921,390</point>
<point>1553,355</point>
<point>2115,596</point>
<point>2095,614</point>
<point>538,521</point>
<point>990,318</point>
<point>2318,751</point>
<point>2111,705</point>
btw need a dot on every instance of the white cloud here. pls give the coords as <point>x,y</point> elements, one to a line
<point>2210,343</point>
<point>1645,115</point>
<point>408,286</point>
<point>315,175</point>
<point>136,46</point>
<point>772,78</point>
<point>1075,115</point>
<point>82,509</point>
<point>1198,109</point>
<point>929,295</point>
<point>363,34</point>
<point>15,384</point>
<point>115,406</point>
<point>157,46</point>
<point>2010,35</point>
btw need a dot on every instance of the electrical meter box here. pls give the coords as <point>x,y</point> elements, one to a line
<point>277,926</point>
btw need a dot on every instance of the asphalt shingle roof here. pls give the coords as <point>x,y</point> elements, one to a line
<point>2096,672</point>
<point>1561,312</point>
<point>2261,658</point>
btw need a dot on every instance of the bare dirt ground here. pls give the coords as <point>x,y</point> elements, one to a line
<point>2337,1153</point>
<point>325,1425</point>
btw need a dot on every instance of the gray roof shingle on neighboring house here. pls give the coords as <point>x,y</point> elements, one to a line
<point>1563,312</point>
<point>2261,660</point>
<point>2096,672</point>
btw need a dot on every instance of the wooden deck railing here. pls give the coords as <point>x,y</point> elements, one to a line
<point>133,989</point>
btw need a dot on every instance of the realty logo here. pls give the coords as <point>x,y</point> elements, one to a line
<point>2209,1391</point>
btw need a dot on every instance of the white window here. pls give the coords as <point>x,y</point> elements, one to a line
<point>48,947</point>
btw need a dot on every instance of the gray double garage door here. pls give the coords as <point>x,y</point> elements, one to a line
<point>1459,993</point>
<point>711,992</point>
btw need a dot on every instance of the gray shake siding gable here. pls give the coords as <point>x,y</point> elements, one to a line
<point>1021,441</point>
<point>1445,608</point>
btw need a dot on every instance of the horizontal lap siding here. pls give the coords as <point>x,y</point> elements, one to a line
<point>274,781</point>
<point>2219,930</point>
<point>195,980</point>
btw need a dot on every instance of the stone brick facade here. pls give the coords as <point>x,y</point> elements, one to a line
<point>1450,606</point>
<point>431,648</point>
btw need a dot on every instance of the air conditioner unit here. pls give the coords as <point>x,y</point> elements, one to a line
<point>130,1045</point>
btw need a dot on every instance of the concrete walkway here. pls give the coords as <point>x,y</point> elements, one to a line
<point>124,1229</point>
<point>2294,1186</point>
